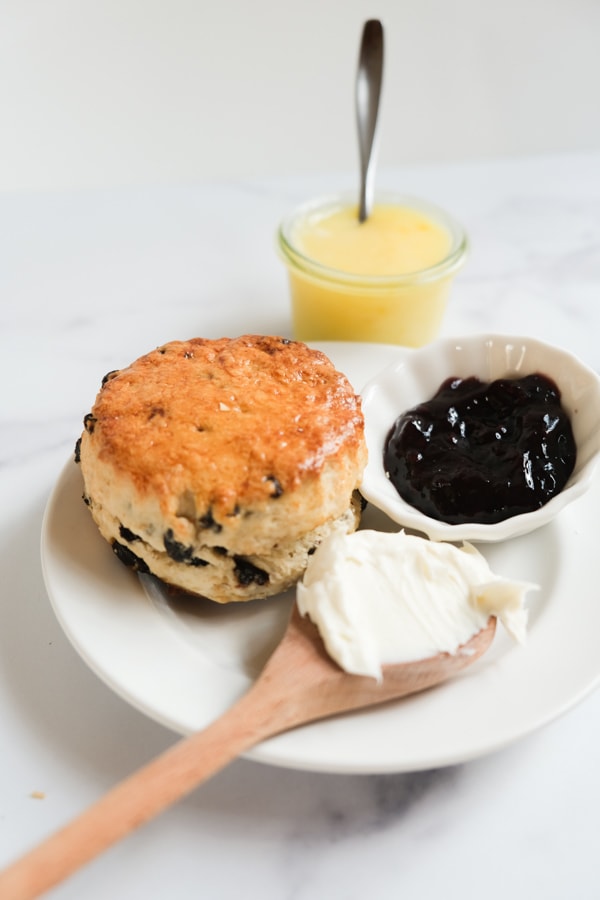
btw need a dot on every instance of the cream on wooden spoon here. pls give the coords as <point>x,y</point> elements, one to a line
<point>381,598</point>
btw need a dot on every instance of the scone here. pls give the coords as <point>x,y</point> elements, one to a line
<point>219,465</point>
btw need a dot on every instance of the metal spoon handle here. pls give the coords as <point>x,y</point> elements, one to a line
<point>368,90</point>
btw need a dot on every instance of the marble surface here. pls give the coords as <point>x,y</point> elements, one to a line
<point>88,281</point>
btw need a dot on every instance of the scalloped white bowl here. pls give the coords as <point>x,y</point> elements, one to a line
<point>417,375</point>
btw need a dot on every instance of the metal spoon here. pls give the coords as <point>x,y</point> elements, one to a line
<point>368,91</point>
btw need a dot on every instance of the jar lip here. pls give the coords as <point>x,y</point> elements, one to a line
<point>446,266</point>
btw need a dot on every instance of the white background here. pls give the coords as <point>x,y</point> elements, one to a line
<point>114,92</point>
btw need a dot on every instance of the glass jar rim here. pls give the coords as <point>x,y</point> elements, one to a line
<point>450,263</point>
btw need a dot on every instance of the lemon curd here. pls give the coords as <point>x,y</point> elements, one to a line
<point>385,279</point>
<point>394,240</point>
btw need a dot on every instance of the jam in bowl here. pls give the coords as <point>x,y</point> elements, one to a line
<point>481,438</point>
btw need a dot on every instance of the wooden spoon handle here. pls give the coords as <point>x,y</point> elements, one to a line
<point>138,798</point>
<point>299,684</point>
<point>275,702</point>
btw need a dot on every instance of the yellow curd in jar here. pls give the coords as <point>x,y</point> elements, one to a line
<point>385,279</point>
<point>394,240</point>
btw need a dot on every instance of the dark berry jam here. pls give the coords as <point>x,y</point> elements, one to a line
<point>480,452</point>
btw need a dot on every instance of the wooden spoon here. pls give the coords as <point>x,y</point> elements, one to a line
<point>299,684</point>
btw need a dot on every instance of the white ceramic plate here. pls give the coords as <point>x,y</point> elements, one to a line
<point>185,664</point>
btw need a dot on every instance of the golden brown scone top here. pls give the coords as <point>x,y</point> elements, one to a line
<point>235,420</point>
